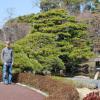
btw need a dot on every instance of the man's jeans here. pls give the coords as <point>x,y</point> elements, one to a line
<point>7,74</point>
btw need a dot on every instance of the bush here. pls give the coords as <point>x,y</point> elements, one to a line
<point>23,63</point>
<point>93,96</point>
<point>64,93</point>
<point>52,64</point>
<point>56,89</point>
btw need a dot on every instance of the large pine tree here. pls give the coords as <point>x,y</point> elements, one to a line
<point>55,41</point>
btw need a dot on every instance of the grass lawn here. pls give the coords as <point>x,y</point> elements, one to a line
<point>64,79</point>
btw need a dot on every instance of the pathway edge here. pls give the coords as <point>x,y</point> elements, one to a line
<point>34,89</point>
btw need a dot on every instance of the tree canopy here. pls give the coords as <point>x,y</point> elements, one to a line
<point>73,6</point>
<point>55,41</point>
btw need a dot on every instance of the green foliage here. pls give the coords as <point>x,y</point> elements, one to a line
<point>51,63</point>
<point>26,64</point>
<point>27,19</point>
<point>73,6</point>
<point>68,2</point>
<point>56,40</point>
<point>46,5</point>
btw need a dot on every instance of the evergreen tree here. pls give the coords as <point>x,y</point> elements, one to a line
<point>56,41</point>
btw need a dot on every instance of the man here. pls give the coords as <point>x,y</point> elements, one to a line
<point>7,59</point>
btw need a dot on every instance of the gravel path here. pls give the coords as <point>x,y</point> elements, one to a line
<point>16,92</point>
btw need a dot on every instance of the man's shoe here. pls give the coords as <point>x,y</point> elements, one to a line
<point>6,83</point>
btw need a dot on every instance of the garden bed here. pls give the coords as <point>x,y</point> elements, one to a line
<point>56,89</point>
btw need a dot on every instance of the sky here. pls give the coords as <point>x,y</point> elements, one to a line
<point>16,8</point>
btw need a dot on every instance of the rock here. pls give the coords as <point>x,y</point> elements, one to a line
<point>83,77</point>
<point>83,92</point>
<point>86,82</point>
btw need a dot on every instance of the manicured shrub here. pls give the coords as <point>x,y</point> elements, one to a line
<point>52,64</point>
<point>23,63</point>
<point>64,93</point>
<point>56,89</point>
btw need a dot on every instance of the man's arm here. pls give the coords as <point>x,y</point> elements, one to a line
<point>12,55</point>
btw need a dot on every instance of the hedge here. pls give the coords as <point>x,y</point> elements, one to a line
<point>56,89</point>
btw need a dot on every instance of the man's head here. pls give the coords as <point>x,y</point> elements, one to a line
<point>7,43</point>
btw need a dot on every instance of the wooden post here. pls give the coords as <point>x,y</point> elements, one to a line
<point>96,75</point>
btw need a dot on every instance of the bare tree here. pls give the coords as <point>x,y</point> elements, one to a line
<point>10,13</point>
<point>35,3</point>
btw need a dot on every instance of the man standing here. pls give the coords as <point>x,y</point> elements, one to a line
<point>7,59</point>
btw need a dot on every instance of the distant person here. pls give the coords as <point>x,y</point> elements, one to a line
<point>7,59</point>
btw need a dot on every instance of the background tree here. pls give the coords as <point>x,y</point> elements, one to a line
<point>93,23</point>
<point>73,6</point>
